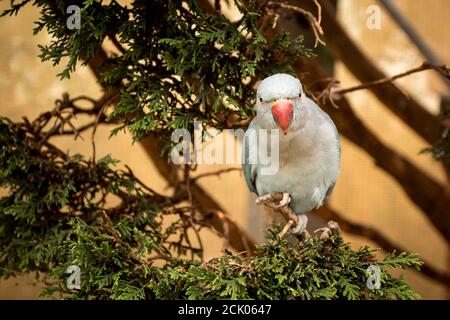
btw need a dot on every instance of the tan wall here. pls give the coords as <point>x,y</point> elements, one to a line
<point>363,193</point>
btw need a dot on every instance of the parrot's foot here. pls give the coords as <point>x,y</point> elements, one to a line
<point>270,200</point>
<point>333,228</point>
<point>302,221</point>
<point>284,201</point>
<point>279,202</point>
<point>297,229</point>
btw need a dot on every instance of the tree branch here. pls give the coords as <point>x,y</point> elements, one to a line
<point>314,23</point>
<point>215,173</point>
<point>442,70</point>
<point>212,211</point>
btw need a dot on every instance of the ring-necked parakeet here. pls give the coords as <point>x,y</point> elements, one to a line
<point>308,147</point>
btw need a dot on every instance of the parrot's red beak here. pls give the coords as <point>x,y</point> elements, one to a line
<point>282,111</point>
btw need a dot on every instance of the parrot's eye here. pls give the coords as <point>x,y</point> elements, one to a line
<point>300,95</point>
<point>260,99</point>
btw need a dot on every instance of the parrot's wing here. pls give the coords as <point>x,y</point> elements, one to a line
<point>248,167</point>
<point>325,117</point>
<point>328,119</point>
<point>330,189</point>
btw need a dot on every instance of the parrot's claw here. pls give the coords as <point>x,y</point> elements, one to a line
<point>333,228</point>
<point>269,199</point>
<point>284,201</point>
<point>296,229</point>
<point>296,224</point>
<point>301,225</point>
<point>264,199</point>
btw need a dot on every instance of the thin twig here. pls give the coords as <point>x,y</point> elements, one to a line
<point>319,11</point>
<point>330,93</point>
<point>286,228</point>
<point>215,173</point>
<point>313,21</point>
<point>443,70</point>
<point>94,130</point>
<point>272,201</point>
<point>131,173</point>
<point>327,93</point>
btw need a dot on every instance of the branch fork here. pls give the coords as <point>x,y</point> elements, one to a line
<point>296,224</point>
<point>279,202</point>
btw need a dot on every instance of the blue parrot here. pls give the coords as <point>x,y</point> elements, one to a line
<point>307,144</point>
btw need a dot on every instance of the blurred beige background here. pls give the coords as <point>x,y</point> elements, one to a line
<point>363,193</point>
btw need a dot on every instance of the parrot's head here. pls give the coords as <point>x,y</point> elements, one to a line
<point>279,103</point>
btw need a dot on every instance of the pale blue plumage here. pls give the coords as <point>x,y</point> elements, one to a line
<point>309,152</point>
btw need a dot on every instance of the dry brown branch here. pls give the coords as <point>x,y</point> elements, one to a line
<point>327,93</point>
<point>215,173</point>
<point>313,21</point>
<point>279,203</point>
<point>94,130</point>
<point>319,11</point>
<point>208,206</point>
<point>443,70</point>
<point>116,43</point>
<point>331,93</point>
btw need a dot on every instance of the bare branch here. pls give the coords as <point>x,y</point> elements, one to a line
<point>331,94</point>
<point>97,121</point>
<point>443,70</point>
<point>314,23</point>
<point>215,173</point>
<point>208,206</point>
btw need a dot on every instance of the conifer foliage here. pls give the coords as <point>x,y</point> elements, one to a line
<point>176,64</point>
